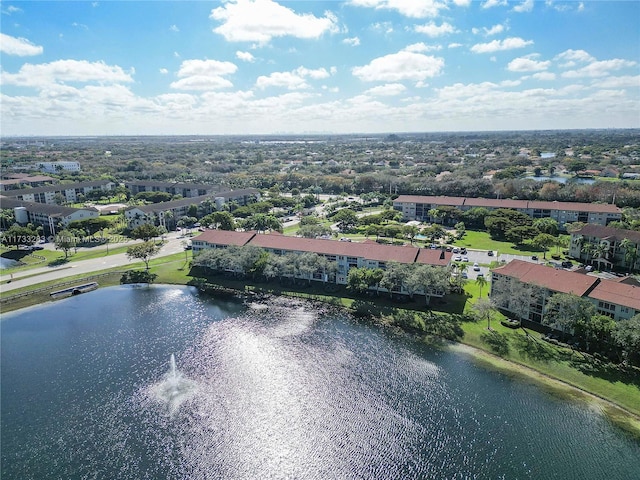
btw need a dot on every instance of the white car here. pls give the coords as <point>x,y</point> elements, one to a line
<point>476,267</point>
<point>465,259</point>
<point>457,258</point>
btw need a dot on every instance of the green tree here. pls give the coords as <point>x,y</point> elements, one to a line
<point>345,218</point>
<point>595,330</point>
<point>546,225</point>
<point>564,311</point>
<point>484,309</point>
<point>630,252</point>
<point>262,222</point>
<point>17,235</point>
<point>626,335</point>
<point>220,221</point>
<point>520,234</point>
<point>543,241</point>
<point>143,251</point>
<point>145,232</point>
<point>65,241</point>
<point>91,225</point>
<point>481,282</point>
<point>501,220</point>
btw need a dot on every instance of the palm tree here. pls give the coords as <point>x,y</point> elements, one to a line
<point>630,252</point>
<point>481,282</point>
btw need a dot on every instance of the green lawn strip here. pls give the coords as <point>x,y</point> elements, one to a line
<point>55,257</point>
<point>169,266</point>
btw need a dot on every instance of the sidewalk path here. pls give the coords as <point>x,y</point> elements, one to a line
<point>45,274</point>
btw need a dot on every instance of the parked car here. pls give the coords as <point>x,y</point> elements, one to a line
<point>490,253</point>
<point>457,258</point>
<point>567,264</point>
<point>465,259</point>
<point>534,257</point>
<point>463,251</point>
<point>476,267</point>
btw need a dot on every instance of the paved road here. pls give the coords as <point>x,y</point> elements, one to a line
<point>45,274</point>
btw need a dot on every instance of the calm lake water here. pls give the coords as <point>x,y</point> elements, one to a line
<point>7,263</point>
<point>284,390</point>
<point>587,181</point>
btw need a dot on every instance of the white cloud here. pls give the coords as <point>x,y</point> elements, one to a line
<point>164,71</point>
<point>206,67</point>
<point>400,66</point>
<point>501,45</point>
<point>489,32</point>
<point>408,8</point>
<point>245,56</point>
<point>174,28</point>
<point>261,20</point>
<point>387,90</point>
<point>18,46</point>
<point>526,6</point>
<point>201,82</point>
<point>62,71</point>
<point>599,68</point>
<point>433,30</point>
<point>383,27</point>
<point>353,41</point>
<point>571,58</point>
<point>544,76</point>
<point>527,64</point>
<point>204,75</point>
<point>494,3</point>
<point>565,6</point>
<point>11,9</point>
<point>315,74</point>
<point>294,80</point>
<point>627,81</point>
<point>421,47</point>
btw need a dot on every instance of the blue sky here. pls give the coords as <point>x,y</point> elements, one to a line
<point>356,66</point>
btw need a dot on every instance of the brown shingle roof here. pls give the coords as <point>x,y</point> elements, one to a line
<point>553,279</point>
<point>432,200</point>
<point>495,203</point>
<point>576,206</point>
<point>224,237</point>
<point>616,234</point>
<point>437,257</point>
<point>618,293</point>
<point>367,250</point>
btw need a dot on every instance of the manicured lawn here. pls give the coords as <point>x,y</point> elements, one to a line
<point>482,241</point>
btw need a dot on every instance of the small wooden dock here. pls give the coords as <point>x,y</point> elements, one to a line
<point>75,290</point>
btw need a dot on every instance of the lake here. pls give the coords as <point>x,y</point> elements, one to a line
<point>162,383</point>
<point>558,179</point>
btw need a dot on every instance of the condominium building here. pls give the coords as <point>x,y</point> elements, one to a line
<point>524,289</point>
<point>62,192</point>
<point>347,255</point>
<point>416,207</point>
<point>606,247</point>
<point>185,190</point>
<point>166,214</point>
<point>51,217</point>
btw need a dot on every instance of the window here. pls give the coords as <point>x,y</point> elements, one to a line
<point>607,306</point>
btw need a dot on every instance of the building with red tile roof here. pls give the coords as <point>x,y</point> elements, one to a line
<point>416,207</point>
<point>518,279</point>
<point>614,254</point>
<point>366,254</point>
